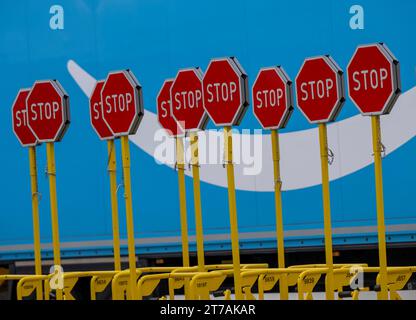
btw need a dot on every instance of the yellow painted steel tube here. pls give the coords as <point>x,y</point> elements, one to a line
<point>35,215</point>
<point>180,160</point>
<point>283,288</point>
<point>180,153</point>
<point>228,151</point>
<point>377,147</point>
<point>112,168</point>
<point>323,143</point>
<point>125,150</point>
<point>50,153</point>
<point>197,201</point>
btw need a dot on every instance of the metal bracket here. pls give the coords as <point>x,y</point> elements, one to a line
<point>226,162</point>
<point>37,194</point>
<point>331,156</point>
<point>383,150</point>
<point>193,165</point>
<point>47,173</point>
<point>278,183</point>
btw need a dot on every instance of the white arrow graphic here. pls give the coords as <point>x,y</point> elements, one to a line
<point>349,139</point>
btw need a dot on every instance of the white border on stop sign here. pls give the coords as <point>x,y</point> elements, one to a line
<point>395,71</point>
<point>396,77</point>
<point>246,91</point>
<point>244,98</point>
<point>289,96</point>
<point>89,107</point>
<point>205,117</point>
<point>140,113</point>
<point>170,110</point>
<point>36,143</point>
<point>65,110</point>
<point>341,88</point>
<point>339,78</point>
<point>138,99</point>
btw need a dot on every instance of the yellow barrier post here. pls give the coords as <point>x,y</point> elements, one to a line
<point>112,167</point>
<point>35,215</point>
<point>197,201</point>
<point>284,295</point>
<point>228,152</point>
<point>377,147</point>
<point>125,150</point>
<point>50,152</point>
<point>323,143</point>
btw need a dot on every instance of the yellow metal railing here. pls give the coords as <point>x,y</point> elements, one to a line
<point>203,284</point>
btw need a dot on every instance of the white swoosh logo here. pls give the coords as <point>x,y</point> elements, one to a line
<point>349,139</point>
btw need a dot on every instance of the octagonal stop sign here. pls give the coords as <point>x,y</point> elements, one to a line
<point>186,100</point>
<point>48,111</point>
<point>320,89</point>
<point>272,98</point>
<point>19,120</point>
<point>122,100</point>
<point>373,79</point>
<point>225,91</point>
<point>164,112</point>
<point>96,113</point>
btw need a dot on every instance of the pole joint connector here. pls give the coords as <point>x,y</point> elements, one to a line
<point>278,183</point>
<point>331,156</point>
<point>37,194</point>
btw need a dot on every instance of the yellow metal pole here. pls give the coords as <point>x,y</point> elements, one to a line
<point>112,167</point>
<point>182,200</point>
<point>323,143</point>
<point>180,160</point>
<point>125,151</point>
<point>35,215</point>
<point>50,153</point>
<point>377,147</point>
<point>283,288</point>
<point>197,201</point>
<point>228,151</point>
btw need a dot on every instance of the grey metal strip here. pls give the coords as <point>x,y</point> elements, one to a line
<point>215,237</point>
<point>89,260</point>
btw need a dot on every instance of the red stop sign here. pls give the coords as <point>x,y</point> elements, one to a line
<point>320,89</point>
<point>186,100</point>
<point>122,100</point>
<point>19,119</point>
<point>164,113</point>
<point>373,79</point>
<point>48,111</point>
<point>96,113</point>
<point>272,98</point>
<point>225,91</point>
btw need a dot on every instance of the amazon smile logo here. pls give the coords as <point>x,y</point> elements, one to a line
<point>247,149</point>
<point>349,139</point>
